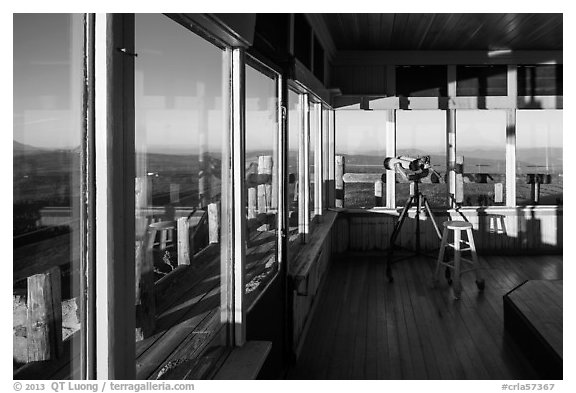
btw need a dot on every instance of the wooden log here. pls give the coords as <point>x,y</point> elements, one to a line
<point>19,323</point>
<point>498,193</point>
<point>362,177</point>
<point>265,166</point>
<point>184,246</point>
<point>213,223</point>
<point>378,189</point>
<point>459,193</point>
<point>252,213</point>
<point>44,325</point>
<point>145,300</point>
<point>340,163</point>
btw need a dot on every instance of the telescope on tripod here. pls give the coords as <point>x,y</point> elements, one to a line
<point>410,169</point>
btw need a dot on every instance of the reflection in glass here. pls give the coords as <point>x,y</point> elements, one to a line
<point>48,130</point>
<point>314,144</point>
<point>423,133</point>
<point>181,120</point>
<point>361,139</point>
<point>294,131</point>
<point>481,145</point>
<point>261,158</point>
<point>539,171</point>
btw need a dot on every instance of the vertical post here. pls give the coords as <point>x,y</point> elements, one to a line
<point>319,167</point>
<point>459,187</point>
<point>213,223</point>
<point>114,147</point>
<point>183,228</point>
<point>44,316</point>
<point>304,183</point>
<point>451,138</point>
<point>238,197</point>
<point>331,157</point>
<point>511,137</point>
<point>252,203</point>
<point>340,163</point>
<point>390,152</point>
<point>265,190</point>
<point>204,172</point>
<point>378,186</point>
<point>174,193</point>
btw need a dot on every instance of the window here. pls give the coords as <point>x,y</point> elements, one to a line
<point>539,173</point>
<point>295,129</point>
<point>182,105</point>
<point>361,140</point>
<point>48,153</point>
<point>423,133</point>
<point>261,160</point>
<point>540,80</point>
<point>315,130</point>
<point>327,127</point>
<point>421,81</point>
<point>481,80</point>
<point>481,155</point>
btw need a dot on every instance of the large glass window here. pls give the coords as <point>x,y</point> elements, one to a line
<point>181,122</point>
<point>261,160</point>
<point>481,156</point>
<point>361,140</point>
<point>315,113</point>
<point>423,133</point>
<point>539,173</point>
<point>295,129</point>
<point>48,302</point>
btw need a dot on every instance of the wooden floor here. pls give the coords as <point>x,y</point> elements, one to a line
<point>367,328</point>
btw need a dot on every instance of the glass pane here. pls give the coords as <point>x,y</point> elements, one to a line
<point>261,157</point>
<point>423,133</point>
<point>481,147</point>
<point>539,173</point>
<point>48,133</point>
<point>325,154</point>
<point>314,144</point>
<point>361,139</point>
<point>181,123</point>
<point>294,132</point>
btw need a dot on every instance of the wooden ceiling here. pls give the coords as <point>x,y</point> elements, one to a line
<point>445,31</point>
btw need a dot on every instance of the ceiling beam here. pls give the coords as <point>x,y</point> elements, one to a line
<point>365,58</point>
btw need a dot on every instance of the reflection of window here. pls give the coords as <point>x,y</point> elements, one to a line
<point>423,133</point>
<point>540,80</point>
<point>295,129</point>
<point>181,121</point>
<point>48,261</point>
<point>261,160</point>
<point>539,171</point>
<point>315,113</point>
<point>361,139</point>
<point>481,80</point>
<point>481,157</point>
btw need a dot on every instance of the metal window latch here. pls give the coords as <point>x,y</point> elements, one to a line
<point>125,51</point>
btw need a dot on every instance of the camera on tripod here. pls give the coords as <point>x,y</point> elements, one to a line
<point>410,168</point>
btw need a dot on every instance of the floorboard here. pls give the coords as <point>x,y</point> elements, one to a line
<point>368,328</point>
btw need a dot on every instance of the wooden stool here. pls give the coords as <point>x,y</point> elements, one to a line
<point>496,223</point>
<point>164,227</point>
<point>458,227</point>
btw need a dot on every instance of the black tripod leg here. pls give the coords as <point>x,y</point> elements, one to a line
<point>393,237</point>
<point>429,211</point>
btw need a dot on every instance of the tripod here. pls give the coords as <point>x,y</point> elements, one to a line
<point>416,199</point>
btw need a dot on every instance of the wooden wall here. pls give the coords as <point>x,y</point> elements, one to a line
<point>527,230</point>
<point>308,271</point>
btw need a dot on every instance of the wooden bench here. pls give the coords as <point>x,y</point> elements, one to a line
<point>533,317</point>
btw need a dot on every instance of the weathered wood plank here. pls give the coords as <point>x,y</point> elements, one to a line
<point>44,316</point>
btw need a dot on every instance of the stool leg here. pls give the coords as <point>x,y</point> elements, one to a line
<point>476,260</point>
<point>457,286</point>
<point>440,255</point>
